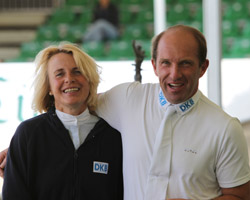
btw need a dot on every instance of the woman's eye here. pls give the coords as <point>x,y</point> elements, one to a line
<point>78,72</point>
<point>59,74</point>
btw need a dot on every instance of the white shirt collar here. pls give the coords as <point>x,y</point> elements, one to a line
<point>181,108</point>
<point>74,120</point>
<point>78,126</point>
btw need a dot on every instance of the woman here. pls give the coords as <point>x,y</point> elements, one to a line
<point>66,152</point>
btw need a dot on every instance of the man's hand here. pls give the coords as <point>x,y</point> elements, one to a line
<point>3,156</point>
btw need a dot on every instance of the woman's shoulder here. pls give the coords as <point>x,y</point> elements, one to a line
<point>34,122</point>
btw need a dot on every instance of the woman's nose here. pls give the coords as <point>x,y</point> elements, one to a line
<point>69,78</point>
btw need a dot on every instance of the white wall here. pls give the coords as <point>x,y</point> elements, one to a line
<point>16,91</point>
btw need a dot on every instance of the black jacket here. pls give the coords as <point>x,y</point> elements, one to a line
<point>42,163</point>
<point>110,14</point>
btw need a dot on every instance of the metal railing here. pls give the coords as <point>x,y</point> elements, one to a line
<point>29,4</point>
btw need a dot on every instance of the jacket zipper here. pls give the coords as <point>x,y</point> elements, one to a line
<point>75,175</point>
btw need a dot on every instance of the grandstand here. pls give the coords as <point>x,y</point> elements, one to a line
<point>68,21</point>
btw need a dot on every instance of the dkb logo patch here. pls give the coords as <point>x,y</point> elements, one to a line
<point>100,167</point>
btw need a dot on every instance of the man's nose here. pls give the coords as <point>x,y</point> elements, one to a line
<point>175,72</point>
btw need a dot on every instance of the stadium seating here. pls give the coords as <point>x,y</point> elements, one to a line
<point>137,18</point>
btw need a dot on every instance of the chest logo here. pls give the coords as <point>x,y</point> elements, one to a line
<point>100,167</point>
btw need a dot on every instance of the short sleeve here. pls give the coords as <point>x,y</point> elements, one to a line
<point>232,167</point>
<point>111,104</point>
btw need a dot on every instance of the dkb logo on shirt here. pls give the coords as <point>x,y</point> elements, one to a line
<point>188,104</point>
<point>100,167</point>
<point>162,98</point>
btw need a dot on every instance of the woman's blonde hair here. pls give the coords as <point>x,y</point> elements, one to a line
<point>42,101</point>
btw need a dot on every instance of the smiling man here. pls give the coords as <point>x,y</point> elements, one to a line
<point>200,152</point>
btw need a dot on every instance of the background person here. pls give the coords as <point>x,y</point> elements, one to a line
<point>105,22</point>
<point>66,152</point>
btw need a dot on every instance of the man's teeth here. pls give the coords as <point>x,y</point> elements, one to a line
<point>71,90</point>
<point>175,85</point>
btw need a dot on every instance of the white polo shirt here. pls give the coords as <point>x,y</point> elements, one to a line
<point>209,148</point>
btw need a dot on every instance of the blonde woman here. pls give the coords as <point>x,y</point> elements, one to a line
<point>66,152</point>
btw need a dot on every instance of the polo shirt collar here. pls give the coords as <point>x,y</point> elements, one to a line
<point>181,108</point>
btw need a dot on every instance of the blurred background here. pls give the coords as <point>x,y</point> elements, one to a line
<point>27,26</point>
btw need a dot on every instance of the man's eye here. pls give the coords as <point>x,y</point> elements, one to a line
<point>186,63</point>
<point>165,62</point>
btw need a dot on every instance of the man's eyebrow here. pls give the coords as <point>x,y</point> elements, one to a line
<point>164,59</point>
<point>186,60</point>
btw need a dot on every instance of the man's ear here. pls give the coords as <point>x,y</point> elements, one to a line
<point>204,67</point>
<point>154,66</point>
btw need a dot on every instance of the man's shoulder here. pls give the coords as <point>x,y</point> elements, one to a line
<point>134,86</point>
<point>215,111</point>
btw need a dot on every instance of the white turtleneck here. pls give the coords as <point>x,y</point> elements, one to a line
<point>78,126</point>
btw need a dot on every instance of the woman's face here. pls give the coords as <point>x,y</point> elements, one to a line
<point>67,84</point>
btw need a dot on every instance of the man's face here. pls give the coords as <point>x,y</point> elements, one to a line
<point>177,65</point>
<point>104,2</point>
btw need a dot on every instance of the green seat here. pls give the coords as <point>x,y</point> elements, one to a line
<point>47,32</point>
<point>145,16</point>
<point>135,31</point>
<point>229,28</point>
<point>121,50</point>
<point>77,2</point>
<point>227,43</point>
<point>195,11</point>
<point>29,50</point>
<point>241,48</point>
<point>234,10</point>
<point>62,15</point>
<point>76,32</point>
<point>246,30</point>
<point>70,33</point>
<point>196,24</point>
<point>177,12</point>
<point>84,18</point>
<point>63,31</point>
<point>126,16</point>
<point>132,2</point>
<point>94,48</point>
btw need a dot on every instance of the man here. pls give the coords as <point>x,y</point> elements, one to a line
<point>3,155</point>
<point>205,149</point>
<point>208,156</point>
